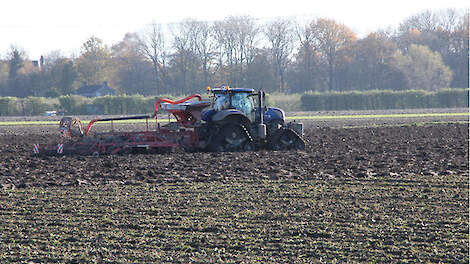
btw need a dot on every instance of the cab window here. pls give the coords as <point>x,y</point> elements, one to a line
<point>221,102</point>
<point>242,102</point>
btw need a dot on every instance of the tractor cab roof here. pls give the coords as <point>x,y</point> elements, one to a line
<point>232,90</point>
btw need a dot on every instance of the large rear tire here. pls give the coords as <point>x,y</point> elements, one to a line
<point>230,137</point>
<point>234,136</point>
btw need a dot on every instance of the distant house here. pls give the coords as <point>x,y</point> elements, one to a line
<point>94,90</point>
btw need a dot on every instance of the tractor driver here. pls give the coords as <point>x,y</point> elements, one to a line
<point>221,102</point>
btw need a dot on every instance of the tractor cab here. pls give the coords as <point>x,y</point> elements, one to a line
<point>232,99</point>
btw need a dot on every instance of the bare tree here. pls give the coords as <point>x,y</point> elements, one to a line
<point>448,19</point>
<point>227,50</point>
<point>459,59</point>
<point>280,36</point>
<point>425,21</point>
<point>184,57</point>
<point>330,38</point>
<point>305,57</point>
<point>205,48</point>
<point>248,32</point>
<point>237,39</point>
<point>153,47</point>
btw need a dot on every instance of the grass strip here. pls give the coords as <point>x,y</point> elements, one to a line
<point>319,117</point>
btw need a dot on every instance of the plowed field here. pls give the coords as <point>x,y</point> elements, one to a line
<point>366,194</point>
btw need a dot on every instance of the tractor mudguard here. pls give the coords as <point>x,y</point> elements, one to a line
<point>271,113</point>
<point>232,114</point>
<point>274,113</point>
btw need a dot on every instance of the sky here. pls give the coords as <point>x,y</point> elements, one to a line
<point>40,27</point>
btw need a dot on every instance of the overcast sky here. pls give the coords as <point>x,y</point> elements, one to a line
<point>40,27</point>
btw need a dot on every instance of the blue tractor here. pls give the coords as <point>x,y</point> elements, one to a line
<point>235,123</point>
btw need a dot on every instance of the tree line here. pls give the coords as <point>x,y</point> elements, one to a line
<point>309,101</point>
<point>428,51</point>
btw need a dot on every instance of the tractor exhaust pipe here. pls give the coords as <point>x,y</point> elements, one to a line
<point>260,106</point>
<point>261,125</point>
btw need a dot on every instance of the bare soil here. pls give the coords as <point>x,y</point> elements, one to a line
<point>364,194</point>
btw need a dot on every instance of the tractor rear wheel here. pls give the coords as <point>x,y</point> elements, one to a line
<point>234,137</point>
<point>230,137</point>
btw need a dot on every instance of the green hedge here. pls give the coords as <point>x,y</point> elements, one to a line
<point>287,102</point>
<point>8,106</point>
<point>384,99</point>
<point>12,106</point>
<point>137,104</point>
<point>78,105</point>
<point>113,105</point>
